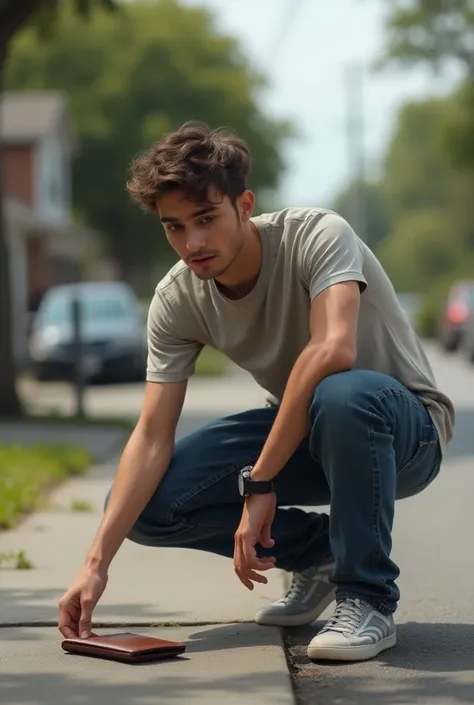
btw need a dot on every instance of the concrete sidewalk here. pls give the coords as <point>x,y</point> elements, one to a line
<point>148,589</point>
<point>234,664</point>
<point>146,585</point>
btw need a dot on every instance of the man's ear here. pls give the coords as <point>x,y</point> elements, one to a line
<point>245,205</point>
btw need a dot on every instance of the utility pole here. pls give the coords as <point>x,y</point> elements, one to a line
<point>355,121</point>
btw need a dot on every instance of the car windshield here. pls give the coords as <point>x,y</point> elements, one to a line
<point>58,310</point>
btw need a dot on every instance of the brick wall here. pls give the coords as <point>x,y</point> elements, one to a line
<point>18,173</point>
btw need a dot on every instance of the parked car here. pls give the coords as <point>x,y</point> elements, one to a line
<point>455,315</point>
<point>467,344</point>
<point>113,333</point>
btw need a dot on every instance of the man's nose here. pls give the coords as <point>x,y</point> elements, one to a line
<point>195,241</point>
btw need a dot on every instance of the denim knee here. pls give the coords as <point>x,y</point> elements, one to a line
<point>341,406</point>
<point>337,396</point>
<point>341,394</point>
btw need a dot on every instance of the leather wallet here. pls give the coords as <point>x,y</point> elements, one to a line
<point>126,647</point>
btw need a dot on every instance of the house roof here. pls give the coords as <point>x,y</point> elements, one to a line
<point>29,115</point>
<point>24,221</point>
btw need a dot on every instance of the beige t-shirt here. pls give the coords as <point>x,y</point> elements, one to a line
<point>305,250</point>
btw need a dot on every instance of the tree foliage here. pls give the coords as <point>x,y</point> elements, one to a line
<point>419,172</point>
<point>422,202</point>
<point>429,167</point>
<point>439,33</point>
<point>131,77</point>
<point>431,31</point>
<point>421,249</point>
<point>375,206</point>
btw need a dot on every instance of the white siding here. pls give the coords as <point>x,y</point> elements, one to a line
<point>53,180</point>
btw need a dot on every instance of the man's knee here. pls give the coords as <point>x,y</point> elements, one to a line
<point>342,394</point>
<point>335,395</point>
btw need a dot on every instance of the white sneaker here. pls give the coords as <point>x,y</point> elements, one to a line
<point>355,632</point>
<point>310,593</point>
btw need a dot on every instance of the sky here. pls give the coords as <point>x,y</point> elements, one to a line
<point>304,47</point>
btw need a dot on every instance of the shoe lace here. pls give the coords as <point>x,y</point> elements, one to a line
<point>298,586</point>
<point>346,617</point>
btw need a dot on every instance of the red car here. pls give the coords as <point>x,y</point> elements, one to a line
<point>456,315</point>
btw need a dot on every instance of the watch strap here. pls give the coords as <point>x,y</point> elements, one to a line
<point>250,486</point>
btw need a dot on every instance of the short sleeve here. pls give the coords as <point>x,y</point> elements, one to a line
<point>330,253</point>
<point>171,356</point>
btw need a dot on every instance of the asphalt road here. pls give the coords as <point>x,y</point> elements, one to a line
<point>433,662</point>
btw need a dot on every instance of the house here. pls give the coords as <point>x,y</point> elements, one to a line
<point>46,246</point>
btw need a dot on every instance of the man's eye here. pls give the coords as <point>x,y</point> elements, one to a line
<point>207,219</point>
<point>173,228</point>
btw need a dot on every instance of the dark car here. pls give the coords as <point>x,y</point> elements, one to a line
<point>113,333</point>
<point>456,315</point>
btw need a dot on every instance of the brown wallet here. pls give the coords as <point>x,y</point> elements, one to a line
<point>126,647</point>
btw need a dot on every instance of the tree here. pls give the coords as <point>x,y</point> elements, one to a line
<point>439,33</point>
<point>418,171</point>
<point>14,14</point>
<point>375,206</point>
<point>432,32</point>
<point>428,199</point>
<point>430,163</point>
<point>420,250</point>
<point>130,78</point>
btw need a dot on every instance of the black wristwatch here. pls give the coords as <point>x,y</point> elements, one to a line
<point>247,486</point>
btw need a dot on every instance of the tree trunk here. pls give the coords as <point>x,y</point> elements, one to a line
<point>10,404</point>
<point>12,17</point>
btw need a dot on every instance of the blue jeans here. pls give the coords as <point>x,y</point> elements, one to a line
<point>371,442</point>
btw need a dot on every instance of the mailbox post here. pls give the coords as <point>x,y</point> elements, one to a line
<point>79,377</point>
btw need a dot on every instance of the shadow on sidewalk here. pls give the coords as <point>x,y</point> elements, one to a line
<point>28,604</point>
<point>424,667</point>
<point>64,689</point>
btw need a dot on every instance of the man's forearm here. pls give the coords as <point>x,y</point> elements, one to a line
<point>141,469</point>
<point>292,421</point>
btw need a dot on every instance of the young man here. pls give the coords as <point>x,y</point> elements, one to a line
<point>298,300</point>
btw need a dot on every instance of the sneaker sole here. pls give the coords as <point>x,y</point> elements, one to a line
<point>350,653</point>
<point>295,620</point>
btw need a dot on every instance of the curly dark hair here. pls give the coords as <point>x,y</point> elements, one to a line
<point>192,159</point>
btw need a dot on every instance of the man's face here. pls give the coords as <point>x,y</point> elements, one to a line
<point>207,236</point>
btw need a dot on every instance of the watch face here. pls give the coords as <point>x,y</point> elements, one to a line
<point>241,484</point>
<point>244,475</point>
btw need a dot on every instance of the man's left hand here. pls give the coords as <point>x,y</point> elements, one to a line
<point>255,527</point>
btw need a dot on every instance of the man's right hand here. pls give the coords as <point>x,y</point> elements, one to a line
<point>78,603</point>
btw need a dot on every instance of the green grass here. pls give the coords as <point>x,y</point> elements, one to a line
<point>211,363</point>
<point>15,559</point>
<point>26,473</point>
<point>81,505</point>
